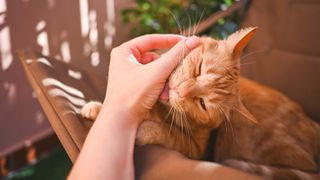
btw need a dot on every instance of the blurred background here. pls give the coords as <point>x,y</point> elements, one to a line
<point>83,32</point>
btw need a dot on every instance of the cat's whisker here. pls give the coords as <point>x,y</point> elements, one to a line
<point>225,117</point>
<point>181,123</point>
<point>189,133</point>
<point>225,126</point>
<point>186,125</point>
<point>172,120</point>
<point>230,124</point>
<point>237,109</point>
<point>189,28</point>
<point>182,57</point>
<point>251,53</point>
<point>186,131</point>
<point>180,27</point>
<point>232,132</point>
<point>182,129</point>
<point>248,63</point>
<point>177,124</point>
<point>167,116</point>
<point>169,113</point>
<point>195,28</point>
<point>180,126</point>
<point>224,120</point>
<point>177,22</point>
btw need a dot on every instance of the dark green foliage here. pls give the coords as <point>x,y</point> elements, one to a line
<point>55,167</point>
<point>165,16</point>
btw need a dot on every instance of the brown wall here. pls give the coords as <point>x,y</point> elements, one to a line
<point>285,53</point>
<point>30,24</point>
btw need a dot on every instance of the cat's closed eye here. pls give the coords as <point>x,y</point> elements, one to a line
<point>199,68</point>
<point>202,103</point>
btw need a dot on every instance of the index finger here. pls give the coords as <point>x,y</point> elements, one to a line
<point>149,42</point>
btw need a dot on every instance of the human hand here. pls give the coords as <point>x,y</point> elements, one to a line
<point>135,87</point>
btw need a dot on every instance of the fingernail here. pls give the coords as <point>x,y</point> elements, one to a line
<point>193,42</point>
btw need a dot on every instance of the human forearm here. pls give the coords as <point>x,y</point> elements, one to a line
<point>107,151</point>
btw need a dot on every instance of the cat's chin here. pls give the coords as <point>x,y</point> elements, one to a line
<point>165,102</point>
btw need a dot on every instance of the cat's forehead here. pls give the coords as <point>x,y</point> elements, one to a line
<point>214,52</point>
<point>211,47</point>
<point>209,43</point>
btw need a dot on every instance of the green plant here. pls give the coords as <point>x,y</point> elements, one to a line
<point>173,16</point>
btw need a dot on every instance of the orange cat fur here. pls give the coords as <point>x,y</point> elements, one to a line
<point>259,130</point>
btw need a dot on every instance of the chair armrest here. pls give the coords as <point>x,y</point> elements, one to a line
<point>156,162</point>
<point>62,95</point>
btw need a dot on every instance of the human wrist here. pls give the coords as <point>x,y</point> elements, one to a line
<point>117,114</point>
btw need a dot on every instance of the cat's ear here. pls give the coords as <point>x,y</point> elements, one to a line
<point>239,40</point>
<point>244,112</point>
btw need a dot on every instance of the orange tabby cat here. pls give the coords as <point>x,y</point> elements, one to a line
<point>259,130</point>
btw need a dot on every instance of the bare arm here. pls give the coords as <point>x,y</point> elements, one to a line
<point>107,152</point>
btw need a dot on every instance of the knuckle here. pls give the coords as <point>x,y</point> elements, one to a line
<point>114,50</point>
<point>147,35</point>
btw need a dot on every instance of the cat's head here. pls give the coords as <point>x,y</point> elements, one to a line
<point>205,84</point>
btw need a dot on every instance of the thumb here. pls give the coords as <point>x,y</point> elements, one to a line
<point>168,61</point>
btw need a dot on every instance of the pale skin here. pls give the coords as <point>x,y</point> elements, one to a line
<point>132,91</point>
